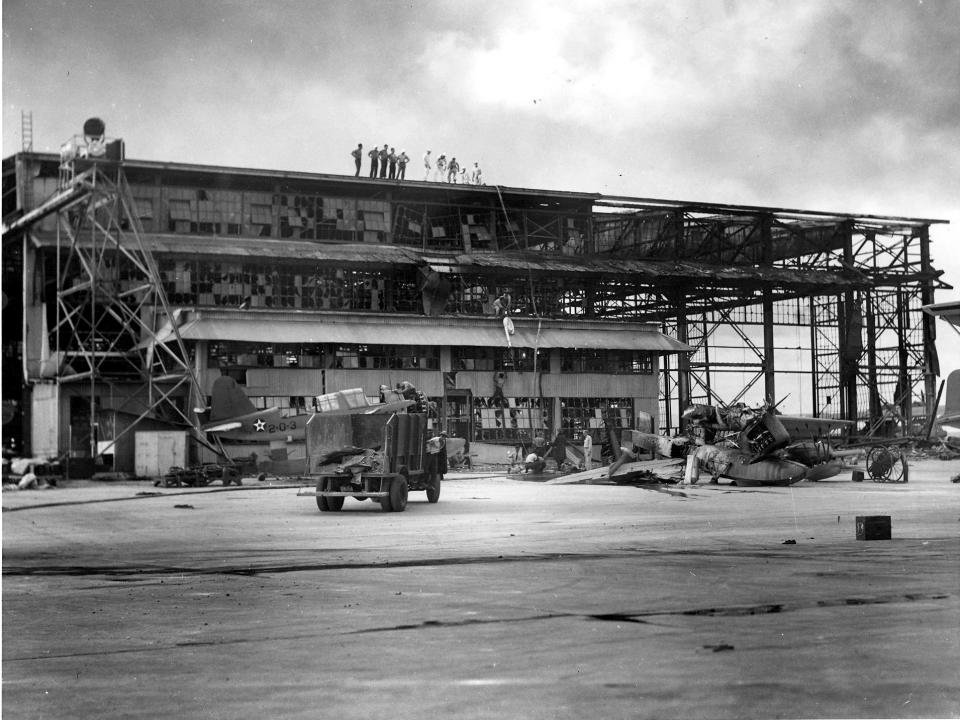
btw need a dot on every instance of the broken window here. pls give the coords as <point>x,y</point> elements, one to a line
<point>607,362</point>
<point>514,419</point>
<point>580,416</point>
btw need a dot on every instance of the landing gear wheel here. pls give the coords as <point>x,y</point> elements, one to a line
<point>887,464</point>
<point>334,504</point>
<point>433,487</point>
<point>398,494</point>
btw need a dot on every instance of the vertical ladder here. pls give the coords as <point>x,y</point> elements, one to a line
<point>26,130</point>
<point>26,140</point>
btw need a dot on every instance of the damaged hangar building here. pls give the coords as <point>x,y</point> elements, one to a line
<point>131,285</point>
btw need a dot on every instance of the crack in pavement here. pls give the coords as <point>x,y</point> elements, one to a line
<point>635,617</point>
<point>639,616</point>
<point>254,569</point>
<point>84,570</point>
<point>150,496</point>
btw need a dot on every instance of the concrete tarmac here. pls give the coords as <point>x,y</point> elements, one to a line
<point>507,599</point>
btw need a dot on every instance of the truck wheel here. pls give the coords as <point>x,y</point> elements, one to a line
<point>385,504</point>
<point>321,501</point>
<point>334,504</point>
<point>433,487</point>
<point>398,494</point>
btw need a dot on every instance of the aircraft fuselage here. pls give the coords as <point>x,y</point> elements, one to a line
<point>264,427</point>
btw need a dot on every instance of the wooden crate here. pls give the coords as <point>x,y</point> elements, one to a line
<point>873,527</point>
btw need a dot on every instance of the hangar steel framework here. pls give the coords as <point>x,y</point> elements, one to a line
<point>855,284</point>
<point>757,292</point>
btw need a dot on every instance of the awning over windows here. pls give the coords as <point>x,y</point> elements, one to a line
<point>382,330</point>
<point>949,311</point>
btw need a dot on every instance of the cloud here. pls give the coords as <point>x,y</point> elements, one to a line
<point>753,92</point>
<point>836,105</point>
<point>623,68</point>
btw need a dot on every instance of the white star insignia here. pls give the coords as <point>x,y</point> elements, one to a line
<point>259,425</point>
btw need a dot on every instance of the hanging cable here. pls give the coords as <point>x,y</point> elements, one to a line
<point>533,297</point>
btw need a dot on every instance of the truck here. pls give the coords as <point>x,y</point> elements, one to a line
<point>379,457</point>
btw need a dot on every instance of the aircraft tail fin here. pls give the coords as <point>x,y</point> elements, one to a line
<point>952,401</point>
<point>228,400</point>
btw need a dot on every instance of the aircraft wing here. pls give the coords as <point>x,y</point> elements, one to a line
<point>800,426</point>
<point>223,427</point>
<point>237,422</point>
<point>389,407</point>
<point>950,425</point>
<point>663,468</point>
<point>949,419</point>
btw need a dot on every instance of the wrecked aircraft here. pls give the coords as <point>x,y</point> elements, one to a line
<point>762,447</point>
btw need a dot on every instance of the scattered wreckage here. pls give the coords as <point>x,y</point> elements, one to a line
<point>200,476</point>
<point>759,446</point>
<point>749,447</point>
<point>30,473</point>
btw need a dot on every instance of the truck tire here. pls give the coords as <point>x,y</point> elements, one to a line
<point>385,504</point>
<point>324,503</point>
<point>398,494</point>
<point>433,487</point>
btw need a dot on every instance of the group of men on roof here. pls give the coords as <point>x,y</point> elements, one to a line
<point>450,170</point>
<point>387,164</point>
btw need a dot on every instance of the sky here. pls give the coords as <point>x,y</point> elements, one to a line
<point>834,105</point>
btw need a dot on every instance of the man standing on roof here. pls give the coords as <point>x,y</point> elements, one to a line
<point>452,170</point>
<point>402,160</point>
<point>373,154</point>
<point>441,166</point>
<point>428,165</point>
<point>476,175</point>
<point>392,160</point>
<point>384,154</point>
<point>357,156</point>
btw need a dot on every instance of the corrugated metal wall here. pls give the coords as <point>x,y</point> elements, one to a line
<point>307,382</point>
<point>310,382</point>
<point>598,385</point>
<point>44,416</point>
<point>528,384</point>
<point>429,382</point>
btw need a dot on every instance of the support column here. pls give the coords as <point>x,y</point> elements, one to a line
<point>903,393</point>
<point>931,361</point>
<point>874,397</point>
<point>769,365</point>
<point>849,359</point>
<point>683,359</point>
<point>555,359</point>
<point>200,352</point>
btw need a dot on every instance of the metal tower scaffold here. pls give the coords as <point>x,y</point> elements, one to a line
<point>113,322</point>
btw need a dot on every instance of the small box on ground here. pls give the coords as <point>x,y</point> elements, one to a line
<point>873,527</point>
